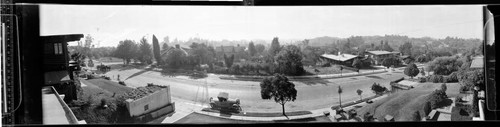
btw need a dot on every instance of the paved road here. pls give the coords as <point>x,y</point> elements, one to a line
<point>312,94</point>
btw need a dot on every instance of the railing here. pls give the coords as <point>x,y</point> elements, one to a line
<point>69,114</point>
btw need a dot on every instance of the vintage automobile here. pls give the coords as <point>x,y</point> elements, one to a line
<point>224,103</point>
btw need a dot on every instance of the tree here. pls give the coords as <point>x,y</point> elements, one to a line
<point>406,48</point>
<point>386,47</point>
<point>228,60</point>
<point>423,58</point>
<point>156,51</point>
<point>437,98</point>
<point>391,61</point>
<point>377,89</point>
<point>251,49</point>
<point>290,61</point>
<point>126,50</point>
<point>279,88</point>
<point>444,65</point>
<point>356,63</point>
<point>443,87</point>
<point>175,57</point>
<point>339,90</point>
<point>275,47</point>
<point>427,108</point>
<point>145,55</point>
<point>164,47</point>
<point>416,116</point>
<point>411,70</point>
<point>260,48</point>
<point>359,91</point>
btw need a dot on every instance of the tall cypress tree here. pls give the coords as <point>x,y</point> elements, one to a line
<point>156,50</point>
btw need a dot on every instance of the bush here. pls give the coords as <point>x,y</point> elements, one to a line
<point>453,77</point>
<point>437,99</point>
<point>378,89</point>
<point>459,114</point>
<point>436,79</point>
<point>422,79</point>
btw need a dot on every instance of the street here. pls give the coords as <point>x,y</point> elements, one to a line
<point>312,94</point>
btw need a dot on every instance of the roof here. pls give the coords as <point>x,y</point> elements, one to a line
<point>477,62</point>
<point>62,38</point>
<point>381,52</point>
<point>342,57</point>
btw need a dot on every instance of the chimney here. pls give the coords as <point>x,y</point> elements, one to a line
<point>177,46</point>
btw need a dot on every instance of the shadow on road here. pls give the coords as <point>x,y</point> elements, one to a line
<point>139,73</point>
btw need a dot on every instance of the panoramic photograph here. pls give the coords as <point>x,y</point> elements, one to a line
<point>262,64</point>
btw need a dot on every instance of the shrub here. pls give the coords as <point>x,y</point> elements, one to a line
<point>378,89</point>
<point>103,102</point>
<point>437,99</point>
<point>453,77</point>
<point>436,78</point>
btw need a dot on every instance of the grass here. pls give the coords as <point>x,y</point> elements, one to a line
<point>259,114</point>
<point>196,118</point>
<point>325,70</point>
<point>403,104</point>
<point>107,85</point>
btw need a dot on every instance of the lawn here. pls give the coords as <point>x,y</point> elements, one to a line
<point>109,86</point>
<point>196,118</point>
<point>325,70</point>
<point>403,104</point>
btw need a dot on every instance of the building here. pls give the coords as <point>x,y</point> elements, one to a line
<point>57,71</point>
<point>379,55</point>
<point>340,59</point>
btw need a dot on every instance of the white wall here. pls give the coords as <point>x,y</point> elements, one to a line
<point>154,101</point>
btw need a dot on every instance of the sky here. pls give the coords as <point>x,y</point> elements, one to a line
<point>110,24</point>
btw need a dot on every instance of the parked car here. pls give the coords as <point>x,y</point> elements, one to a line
<point>224,103</point>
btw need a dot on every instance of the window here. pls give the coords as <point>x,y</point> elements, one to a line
<point>58,48</point>
<point>146,107</point>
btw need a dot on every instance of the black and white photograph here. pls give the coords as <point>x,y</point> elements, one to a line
<point>192,64</point>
